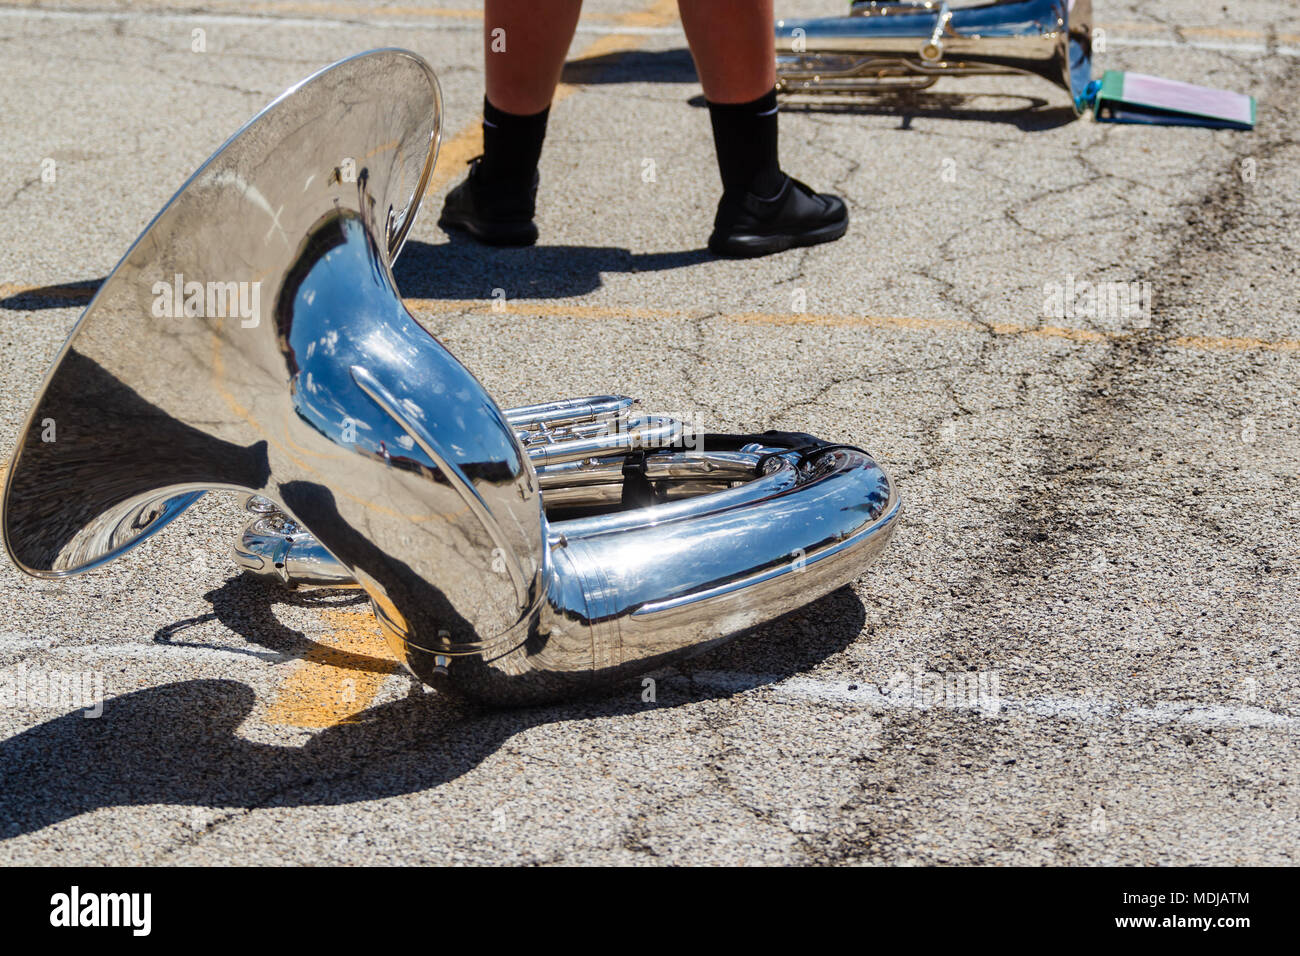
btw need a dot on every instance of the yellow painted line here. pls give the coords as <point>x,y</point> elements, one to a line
<point>1219,343</point>
<point>1201,343</point>
<point>1213,33</point>
<point>339,677</point>
<point>468,143</point>
<point>1210,343</point>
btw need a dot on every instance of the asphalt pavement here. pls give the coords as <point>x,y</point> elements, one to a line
<point>1081,646</point>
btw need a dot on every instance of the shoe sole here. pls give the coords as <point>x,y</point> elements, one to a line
<point>522,235</point>
<point>751,247</point>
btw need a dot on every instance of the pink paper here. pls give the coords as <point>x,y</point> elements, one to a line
<point>1186,97</point>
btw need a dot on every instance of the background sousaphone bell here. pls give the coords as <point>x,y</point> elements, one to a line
<point>882,46</point>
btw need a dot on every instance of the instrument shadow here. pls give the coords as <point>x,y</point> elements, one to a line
<point>1029,114</point>
<point>178,744</point>
<point>245,606</point>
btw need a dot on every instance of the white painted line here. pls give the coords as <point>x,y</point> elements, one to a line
<point>474,25</point>
<point>1216,46</point>
<point>157,16</point>
<point>46,647</point>
<point>838,693</point>
<point>802,689</point>
<point>448,25</point>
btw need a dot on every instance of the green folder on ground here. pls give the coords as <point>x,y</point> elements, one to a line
<point>1124,97</point>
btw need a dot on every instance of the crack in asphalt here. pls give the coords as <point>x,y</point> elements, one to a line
<point>1053,505</point>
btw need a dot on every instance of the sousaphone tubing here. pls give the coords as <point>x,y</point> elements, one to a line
<point>253,340</point>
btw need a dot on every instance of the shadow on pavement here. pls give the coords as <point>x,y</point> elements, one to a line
<point>1027,113</point>
<point>63,295</point>
<point>245,606</point>
<point>177,743</point>
<point>455,270</point>
<point>463,269</point>
<point>632,66</point>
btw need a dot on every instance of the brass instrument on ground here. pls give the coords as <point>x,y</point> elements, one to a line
<point>882,46</point>
<point>253,340</point>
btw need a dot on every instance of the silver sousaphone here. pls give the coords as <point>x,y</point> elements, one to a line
<point>882,46</point>
<point>253,340</point>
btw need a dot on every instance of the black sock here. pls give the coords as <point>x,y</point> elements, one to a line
<point>745,137</point>
<point>512,145</point>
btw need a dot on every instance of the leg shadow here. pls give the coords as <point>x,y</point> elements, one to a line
<point>632,66</point>
<point>63,295</point>
<point>463,269</point>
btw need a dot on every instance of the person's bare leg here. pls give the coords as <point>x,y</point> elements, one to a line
<point>762,209</point>
<point>524,46</point>
<point>732,43</point>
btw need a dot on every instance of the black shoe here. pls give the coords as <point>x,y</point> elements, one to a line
<point>748,226</point>
<point>494,214</point>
